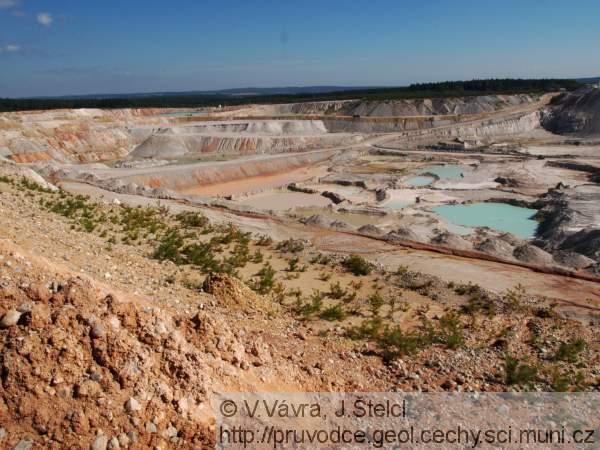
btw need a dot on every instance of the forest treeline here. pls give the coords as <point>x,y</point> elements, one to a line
<point>414,91</point>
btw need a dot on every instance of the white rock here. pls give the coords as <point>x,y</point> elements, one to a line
<point>100,443</point>
<point>10,318</point>
<point>132,405</point>
<point>114,444</point>
<point>23,444</point>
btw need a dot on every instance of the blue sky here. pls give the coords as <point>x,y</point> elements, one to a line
<point>59,47</point>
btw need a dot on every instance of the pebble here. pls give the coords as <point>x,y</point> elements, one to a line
<point>100,443</point>
<point>170,432</point>
<point>150,427</point>
<point>23,444</point>
<point>132,405</point>
<point>98,331</point>
<point>114,444</point>
<point>2,434</point>
<point>132,436</point>
<point>123,440</point>
<point>11,318</point>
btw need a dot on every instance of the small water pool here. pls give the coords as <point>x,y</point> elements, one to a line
<point>183,114</point>
<point>498,216</point>
<point>419,181</point>
<point>445,172</point>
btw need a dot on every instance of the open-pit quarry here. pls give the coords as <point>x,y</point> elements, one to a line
<point>451,203</point>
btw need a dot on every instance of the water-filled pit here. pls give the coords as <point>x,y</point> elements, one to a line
<point>498,216</point>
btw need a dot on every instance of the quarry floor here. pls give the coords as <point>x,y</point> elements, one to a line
<point>576,297</point>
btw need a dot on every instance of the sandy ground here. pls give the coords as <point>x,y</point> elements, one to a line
<point>280,200</point>
<point>258,184</point>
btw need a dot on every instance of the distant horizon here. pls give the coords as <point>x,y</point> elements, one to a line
<point>333,87</point>
<point>57,48</point>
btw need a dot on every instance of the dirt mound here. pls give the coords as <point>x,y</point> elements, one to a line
<point>452,240</point>
<point>315,220</point>
<point>371,230</point>
<point>497,247</point>
<point>574,260</point>
<point>79,360</point>
<point>533,255</point>
<point>575,113</point>
<point>403,234</point>
<point>232,293</point>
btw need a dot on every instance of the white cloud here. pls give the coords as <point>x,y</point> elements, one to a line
<point>10,48</point>
<point>7,4</point>
<point>44,18</point>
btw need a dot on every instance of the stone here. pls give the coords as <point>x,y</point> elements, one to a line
<point>170,432</point>
<point>132,405</point>
<point>150,427</point>
<point>100,443</point>
<point>114,444</point>
<point>123,440</point>
<point>24,444</point>
<point>10,319</point>
<point>98,331</point>
<point>133,436</point>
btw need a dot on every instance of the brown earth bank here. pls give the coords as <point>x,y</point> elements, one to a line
<point>117,331</point>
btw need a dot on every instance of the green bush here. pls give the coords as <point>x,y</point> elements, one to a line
<point>266,279</point>
<point>290,246</point>
<point>336,291</point>
<point>264,241</point>
<point>357,265</point>
<point>518,373</point>
<point>569,351</point>
<point>368,329</point>
<point>314,305</point>
<point>333,313</point>
<point>169,248</point>
<point>395,343</point>
<point>375,301</point>
<point>192,219</point>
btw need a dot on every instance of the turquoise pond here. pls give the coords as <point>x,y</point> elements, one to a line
<point>419,181</point>
<point>445,172</point>
<point>498,216</point>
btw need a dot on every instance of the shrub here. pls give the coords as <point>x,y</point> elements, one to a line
<point>266,279</point>
<point>478,303</point>
<point>202,256</point>
<point>402,270</point>
<point>192,219</point>
<point>291,246</point>
<point>375,303</point>
<point>169,248</point>
<point>569,351</point>
<point>514,298</point>
<point>518,373</point>
<point>257,257</point>
<point>333,313</point>
<point>357,265</point>
<point>264,241</point>
<point>293,264</point>
<point>451,331</point>
<point>368,329</point>
<point>336,291</point>
<point>395,343</point>
<point>468,288</point>
<point>312,307</point>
